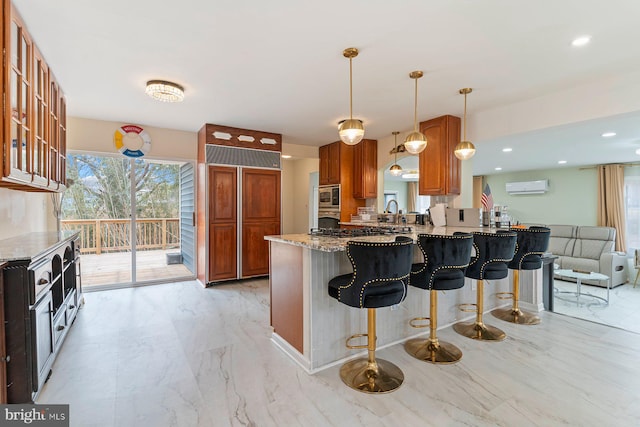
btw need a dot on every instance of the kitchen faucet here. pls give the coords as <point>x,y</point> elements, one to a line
<point>396,215</point>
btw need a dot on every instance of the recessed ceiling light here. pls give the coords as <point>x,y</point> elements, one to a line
<point>581,41</point>
<point>498,169</point>
<point>608,134</point>
<point>638,151</point>
<point>507,150</point>
<point>562,162</point>
<point>286,156</point>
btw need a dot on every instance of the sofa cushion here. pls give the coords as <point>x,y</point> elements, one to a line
<point>592,242</point>
<point>582,264</point>
<point>562,240</point>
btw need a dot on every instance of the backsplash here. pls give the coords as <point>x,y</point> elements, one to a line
<point>22,212</point>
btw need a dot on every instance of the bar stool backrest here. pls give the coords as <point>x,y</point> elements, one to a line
<point>492,253</point>
<point>374,266</point>
<point>445,261</point>
<point>531,244</point>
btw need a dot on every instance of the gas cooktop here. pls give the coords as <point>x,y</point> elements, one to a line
<point>359,232</point>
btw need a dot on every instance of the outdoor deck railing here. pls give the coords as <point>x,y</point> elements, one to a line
<point>114,235</point>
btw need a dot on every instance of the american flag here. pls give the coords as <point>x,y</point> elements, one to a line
<point>487,199</point>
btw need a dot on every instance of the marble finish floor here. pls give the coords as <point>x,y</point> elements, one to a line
<point>181,355</point>
<point>623,310</point>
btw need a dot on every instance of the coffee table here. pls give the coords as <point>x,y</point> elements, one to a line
<point>580,276</point>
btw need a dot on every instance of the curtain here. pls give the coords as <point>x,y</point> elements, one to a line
<point>611,201</point>
<point>412,196</point>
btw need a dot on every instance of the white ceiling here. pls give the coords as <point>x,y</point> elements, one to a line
<point>277,66</point>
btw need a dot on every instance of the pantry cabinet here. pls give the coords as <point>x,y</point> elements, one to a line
<point>34,120</point>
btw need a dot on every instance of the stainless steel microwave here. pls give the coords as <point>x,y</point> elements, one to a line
<point>329,197</point>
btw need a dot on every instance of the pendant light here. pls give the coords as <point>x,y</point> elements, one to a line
<point>395,169</point>
<point>415,142</point>
<point>465,149</point>
<point>351,131</point>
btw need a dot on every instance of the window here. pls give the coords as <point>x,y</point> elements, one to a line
<point>632,207</point>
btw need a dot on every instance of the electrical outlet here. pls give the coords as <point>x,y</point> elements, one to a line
<point>474,284</point>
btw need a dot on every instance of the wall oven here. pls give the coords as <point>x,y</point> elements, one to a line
<point>328,219</point>
<point>329,197</point>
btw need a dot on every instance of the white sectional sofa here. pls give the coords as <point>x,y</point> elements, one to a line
<point>589,249</point>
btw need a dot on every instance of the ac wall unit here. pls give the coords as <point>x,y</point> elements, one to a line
<point>528,187</point>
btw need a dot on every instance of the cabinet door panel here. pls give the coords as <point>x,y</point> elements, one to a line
<point>334,163</point>
<point>222,197</point>
<point>222,251</point>
<point>324,164</point>
<point>365,169</point>
<point>255,250</point>
<point>260,195</point>
<point>439,168</point>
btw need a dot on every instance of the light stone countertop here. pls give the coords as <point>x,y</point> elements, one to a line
<point>335,244</point>
<point>31,245</point>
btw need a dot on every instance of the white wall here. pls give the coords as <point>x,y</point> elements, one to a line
<point>571,199</point>
<point>24,212</point>
<point>295,194</point>
<point>97,136</point>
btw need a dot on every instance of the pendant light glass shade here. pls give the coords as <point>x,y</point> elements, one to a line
<point>351,131</point>
<point>415,142</point>
<point>464,149</point>
<point>395,169</point>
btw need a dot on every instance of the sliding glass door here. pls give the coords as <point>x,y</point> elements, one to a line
<point>128,213</point>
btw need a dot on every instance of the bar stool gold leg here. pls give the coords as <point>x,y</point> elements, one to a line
<point>371,375</point>
<point>478,330</point>
<point>432,350</point>
<point>514,314</point>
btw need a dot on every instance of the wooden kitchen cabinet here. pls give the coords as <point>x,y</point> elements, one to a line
<point>438,165</point>
<point>3,348</point>
<point>239,201</point>
<point>330,165</point>
<point>365,169</point>
<point>260,217</point>
<point>34,126</point>
<point>222,222</point>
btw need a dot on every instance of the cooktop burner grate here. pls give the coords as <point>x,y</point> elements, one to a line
<point>359,232</point>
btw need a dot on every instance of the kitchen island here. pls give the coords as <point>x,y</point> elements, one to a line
<point>311,327</point>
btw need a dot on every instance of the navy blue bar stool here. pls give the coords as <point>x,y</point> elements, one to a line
<point>445,261</point>
<point>492,253</point>
<point>379,279</point>
<point>531,244</point>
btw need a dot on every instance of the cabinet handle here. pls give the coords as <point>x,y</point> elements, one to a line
<point>60,327</point>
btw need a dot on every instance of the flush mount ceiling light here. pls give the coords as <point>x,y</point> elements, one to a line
<point>411,175</point>
<point>464,149</point>
<point>498,168</point>
<point>351,131</point>
<point>395,169</point>
<point>608,134</point>
<point>562,162</point>
<point>415,142</point>
<point>507,150</point>
<point>165,91</point>
<point>581,41</point>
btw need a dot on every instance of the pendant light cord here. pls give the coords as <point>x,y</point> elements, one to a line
<point>351,88</point>
<point>465,117</point>
<point>415,109</point>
